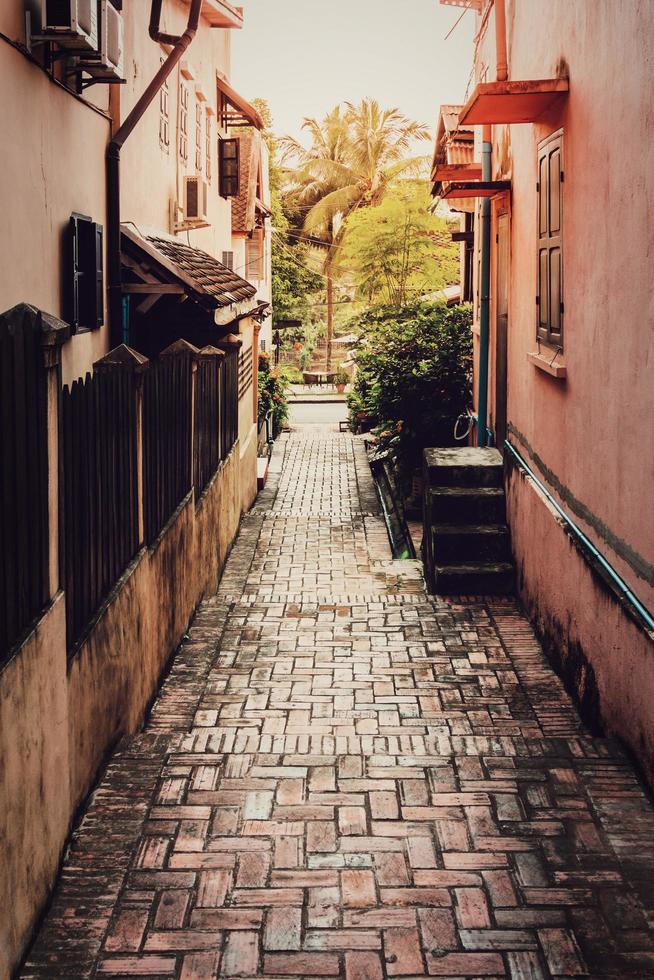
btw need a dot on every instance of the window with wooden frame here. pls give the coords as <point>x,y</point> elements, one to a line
<point>183,121</point>
<point>199,154</point>
<point>85,301</point>
<point>229,167</point>
<point>164,116</point>
<point>207,146</point>
<point>549,296</point>
<point>255,256</point>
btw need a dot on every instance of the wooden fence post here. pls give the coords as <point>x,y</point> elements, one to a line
<point>232,345</point>
<point>183,349</point>
<point>207,397</point>
<point>53,334</point>
<point>127,359</point>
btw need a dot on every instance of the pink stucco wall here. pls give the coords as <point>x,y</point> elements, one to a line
<point>590,436</point>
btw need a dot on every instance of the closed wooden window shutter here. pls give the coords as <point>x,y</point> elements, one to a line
<point>549,297</point>
<point>229,160</point>
<point>255,256</point>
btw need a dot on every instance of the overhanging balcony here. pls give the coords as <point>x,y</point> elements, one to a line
<point>460,189</point>
<point>513,101</point>
<point>219,13</point>
<point>456,171</point>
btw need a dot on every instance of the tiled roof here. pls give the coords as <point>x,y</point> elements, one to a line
<point>209,275</point>
<point>206,279</point>
<point>243,206</point>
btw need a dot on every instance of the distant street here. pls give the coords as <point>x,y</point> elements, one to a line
<point>327,413</point>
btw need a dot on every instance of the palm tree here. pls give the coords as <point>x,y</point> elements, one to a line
<point>355,155</point>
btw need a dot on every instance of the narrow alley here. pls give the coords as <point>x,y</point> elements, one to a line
<point>344,777</point>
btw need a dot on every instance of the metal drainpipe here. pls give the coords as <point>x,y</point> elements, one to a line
<point>502,71</point>
<point>180,44</point>
<point>484,299</point>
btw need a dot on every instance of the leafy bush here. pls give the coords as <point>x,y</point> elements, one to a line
<point>292,374</point>
<point>273,387</point>
<point>414,374</point>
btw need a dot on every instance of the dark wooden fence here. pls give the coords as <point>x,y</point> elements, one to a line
<point>23,478</point>
<point>167,433</point>
<point>100,491</point>
<point>98,423</point>
<point>206,443</point>
<point>229,413</point>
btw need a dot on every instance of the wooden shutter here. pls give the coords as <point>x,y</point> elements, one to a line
<point>549,297</point>
<point>86,310</point>
<point>254,256</point>
<point>229,161</point>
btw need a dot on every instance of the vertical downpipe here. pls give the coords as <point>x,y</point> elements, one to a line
<point>484,299</point>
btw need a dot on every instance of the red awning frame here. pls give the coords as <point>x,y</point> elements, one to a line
<point>513,101</point>
<point>473,188</point>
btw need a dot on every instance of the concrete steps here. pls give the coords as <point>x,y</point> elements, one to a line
<point>466,542</point>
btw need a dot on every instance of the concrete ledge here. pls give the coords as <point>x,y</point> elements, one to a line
<point>547,365</point>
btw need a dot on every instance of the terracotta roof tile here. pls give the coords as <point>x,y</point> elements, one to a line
<point>204,278</point>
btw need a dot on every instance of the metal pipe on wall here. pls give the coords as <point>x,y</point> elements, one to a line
<point>484,294</point>
<point>502,69</point>
<point>180,44</point>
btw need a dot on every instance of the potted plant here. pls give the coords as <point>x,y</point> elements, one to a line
<point>341,378</point>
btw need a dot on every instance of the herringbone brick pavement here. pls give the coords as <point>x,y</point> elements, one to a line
<point>343,777</point>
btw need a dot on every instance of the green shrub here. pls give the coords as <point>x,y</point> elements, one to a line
<point>273,387</point>
<point>414,374</point>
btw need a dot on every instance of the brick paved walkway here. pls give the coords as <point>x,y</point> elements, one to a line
<point>345,778</point>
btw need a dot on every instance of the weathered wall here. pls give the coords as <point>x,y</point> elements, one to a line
<point>604,657</point>
<point>58,721</point>
<point>584,435</point>
<point>143,154</point>
<point>55,168</point>
<point>35,805</point>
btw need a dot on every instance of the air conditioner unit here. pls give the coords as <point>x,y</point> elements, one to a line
<point>71,23</point>
<point>196,201</point>
<point>110,61</point>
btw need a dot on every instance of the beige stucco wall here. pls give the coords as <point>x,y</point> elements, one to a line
<point>587,436</point>
<point>57,165</point>
<point>59,720</point>
<point>52,166</point>
<point>35,804</point>
<point>151,177</point>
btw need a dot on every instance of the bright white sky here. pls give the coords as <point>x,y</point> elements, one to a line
<point>305,56</point>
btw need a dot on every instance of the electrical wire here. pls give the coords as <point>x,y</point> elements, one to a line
<point>456,24</point>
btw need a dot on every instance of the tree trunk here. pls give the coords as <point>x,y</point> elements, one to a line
<point>330,319</point>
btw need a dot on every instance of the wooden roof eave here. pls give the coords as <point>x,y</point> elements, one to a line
<point>245,112</point>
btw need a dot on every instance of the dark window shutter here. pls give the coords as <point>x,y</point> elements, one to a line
<point>86,307</point>
<point>72,314</point>
<point>549,298</point>
<point>99,278</point>
<point>229,159</point>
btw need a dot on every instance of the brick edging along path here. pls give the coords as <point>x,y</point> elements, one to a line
<point>343,777</point>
